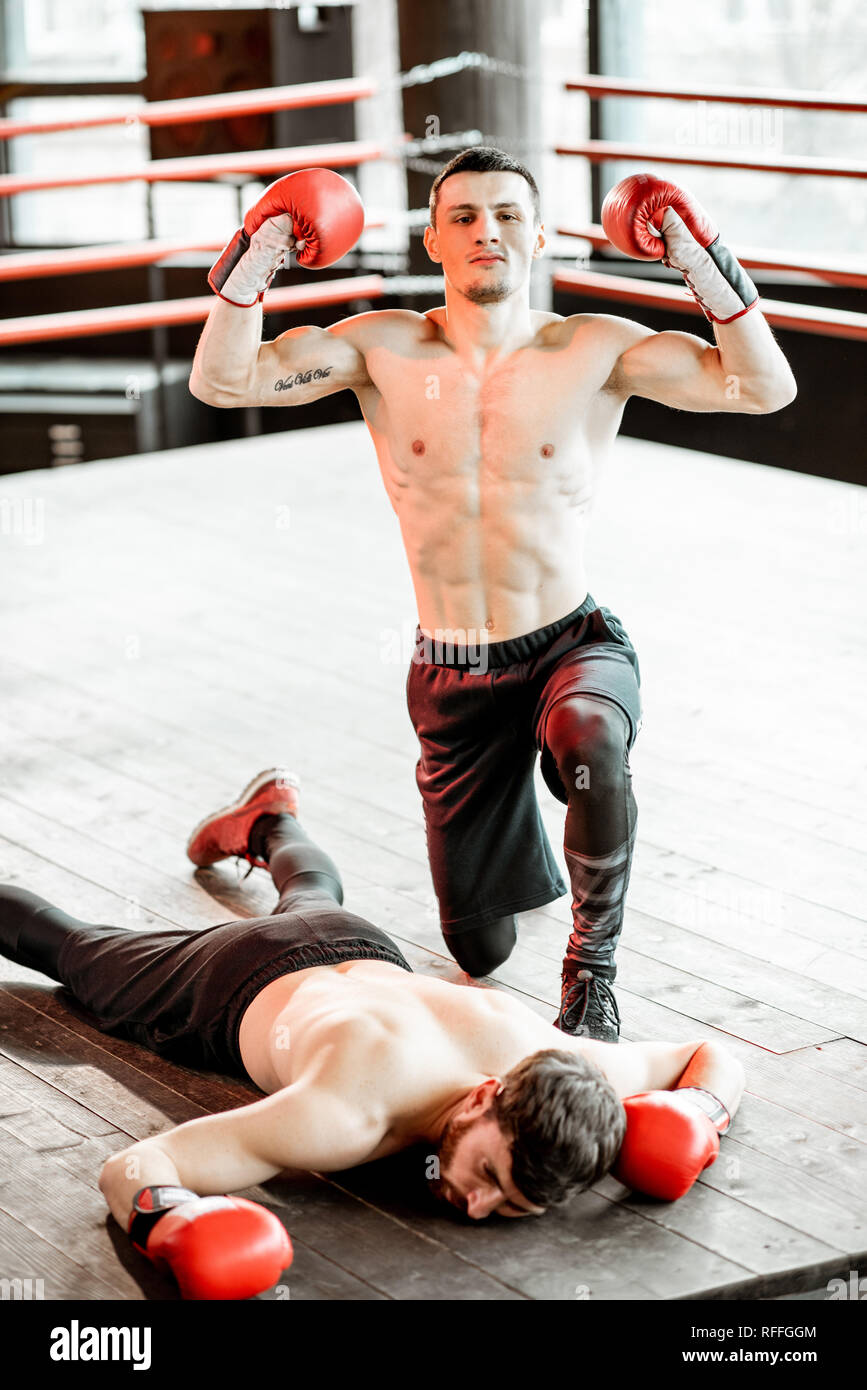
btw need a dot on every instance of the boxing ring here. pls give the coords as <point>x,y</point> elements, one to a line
<point>180,618</point>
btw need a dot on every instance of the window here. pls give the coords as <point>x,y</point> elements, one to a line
<point>789,44</point>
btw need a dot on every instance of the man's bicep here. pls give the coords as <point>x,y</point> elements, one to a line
<point>305,364</point>
<point>675,369</point>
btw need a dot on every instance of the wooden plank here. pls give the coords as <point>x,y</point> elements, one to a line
<point>653,937</point>
<point>759,1181</point>
<point>745,844</point>
<point>842,1059</point>
<point>269,456</point>
<point>307,477</point>
<point>660,764</point>
<point>732,1231</point>
<point>646,1016</point>
<point>432,937</point>
<point>593,1249</point>
<point>210,1090</point>
<point>653,941</point>
<point>21,1091</point>
<point>699,911</point>
<point>24,1255</point>
<point>337,1234</point>
<point>333,1232</point>
<point>706,1002</point>
<point>431,940</point>
<point>294,674</point>
<point>133,1100</point>
<point>779,1079</point>
<point>64,1212</point>
<point>773,925</point>
<point>372,1237</point>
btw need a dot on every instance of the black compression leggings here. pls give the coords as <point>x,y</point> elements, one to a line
<point>33,931</point>
<point>296,864</point>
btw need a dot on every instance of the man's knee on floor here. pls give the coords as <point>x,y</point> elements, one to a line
<point>588,740</point>
<point>481,949</point>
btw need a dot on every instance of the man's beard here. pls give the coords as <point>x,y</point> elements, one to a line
<point>445,1153</point>
<point>487,293</point>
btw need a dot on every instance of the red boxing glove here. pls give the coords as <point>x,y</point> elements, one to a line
<point>216,1247</point>
<point>315,206</point>
<point>651,220</point>
<point>671,1137</point>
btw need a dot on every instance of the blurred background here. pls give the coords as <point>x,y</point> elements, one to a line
<point>72,396</point>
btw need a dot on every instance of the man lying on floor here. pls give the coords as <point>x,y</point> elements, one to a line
<point>360,1057</point>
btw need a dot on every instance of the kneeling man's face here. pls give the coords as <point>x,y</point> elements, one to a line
<point>475,1170</point>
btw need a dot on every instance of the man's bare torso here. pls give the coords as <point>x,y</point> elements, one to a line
<point>490,464</point>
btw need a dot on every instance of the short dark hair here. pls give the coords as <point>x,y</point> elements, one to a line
<point>565,1124</point>
<point>482,159</point>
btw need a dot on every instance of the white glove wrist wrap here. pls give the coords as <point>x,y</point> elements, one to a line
<point>268,249</point>
<point>714,277</point>
<point>709,1104</point>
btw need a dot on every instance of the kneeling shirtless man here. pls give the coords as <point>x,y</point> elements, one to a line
<point>360,1057</point>
<point>491,422</point>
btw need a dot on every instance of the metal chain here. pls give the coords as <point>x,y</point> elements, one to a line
<point>412,152</point>
<point>446,67</point>
<point>430,144</point>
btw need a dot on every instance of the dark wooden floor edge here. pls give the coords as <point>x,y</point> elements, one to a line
<point>799,1279</point>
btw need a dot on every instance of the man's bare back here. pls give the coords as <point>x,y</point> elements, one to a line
<point>438,1034</point>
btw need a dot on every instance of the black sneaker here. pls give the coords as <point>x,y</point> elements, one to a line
<point>588,1008</point>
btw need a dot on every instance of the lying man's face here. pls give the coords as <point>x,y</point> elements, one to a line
<point>475,1166</point>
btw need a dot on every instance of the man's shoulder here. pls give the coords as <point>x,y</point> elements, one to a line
<point>597,342</point>
<point>381,327</point>
<point>582,329</point>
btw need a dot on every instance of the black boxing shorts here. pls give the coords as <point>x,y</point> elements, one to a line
<point>182,993</point>
<point>480,715</point>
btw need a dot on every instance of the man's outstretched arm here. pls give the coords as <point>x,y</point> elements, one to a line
<point>633,1067</point>
<point>303,1127</point>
